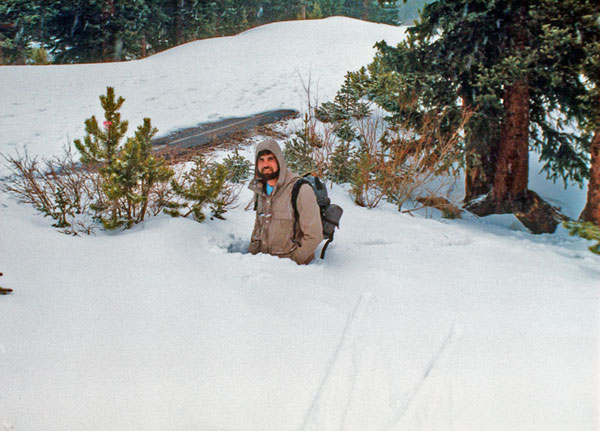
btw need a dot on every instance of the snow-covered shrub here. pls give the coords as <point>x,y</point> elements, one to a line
<point>59,188</point>
<point>118,184</point>
<point>380,156</point>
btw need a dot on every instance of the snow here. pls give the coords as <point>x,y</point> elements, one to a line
<point>410,323</point>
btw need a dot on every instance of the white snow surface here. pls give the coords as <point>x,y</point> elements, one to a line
<point>411,322</point>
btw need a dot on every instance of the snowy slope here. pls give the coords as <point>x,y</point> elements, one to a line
<point>411,323</point>
<point>260,69</point>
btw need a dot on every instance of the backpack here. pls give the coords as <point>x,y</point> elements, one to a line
<point>330,213</point>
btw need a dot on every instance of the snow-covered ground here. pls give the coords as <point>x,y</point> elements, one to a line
<point>410,323</point>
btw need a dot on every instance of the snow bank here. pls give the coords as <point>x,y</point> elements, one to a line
<point>410,323</point>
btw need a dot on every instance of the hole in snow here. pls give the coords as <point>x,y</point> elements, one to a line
<point>238,246</point>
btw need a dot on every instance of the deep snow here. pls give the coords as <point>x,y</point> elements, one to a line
<point>410,323</point>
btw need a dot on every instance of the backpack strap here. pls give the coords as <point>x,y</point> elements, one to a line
<point>295,191</point>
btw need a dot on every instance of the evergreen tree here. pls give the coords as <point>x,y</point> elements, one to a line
<point>371,10</point>
<point>499,57</point>
<point>590,115</point>
<point>238,167</point>
<point>21,23</point>
<point>204,185</point>
<point>108,30</point>
<point>129,172</point>
<point>102,30</point>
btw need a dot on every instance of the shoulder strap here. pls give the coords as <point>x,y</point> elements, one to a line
<point>295,192</point>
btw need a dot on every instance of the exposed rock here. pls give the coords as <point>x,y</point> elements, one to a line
<point>532,211</point>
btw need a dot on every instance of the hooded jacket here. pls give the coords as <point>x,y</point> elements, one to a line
<point>276,231</point>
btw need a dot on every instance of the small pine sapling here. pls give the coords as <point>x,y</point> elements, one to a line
<point>298,155</point>
<point>364,188</point>
<point>64,207</point>
<point>238,167</point>
<point>129,172</point>
<point>203,185</point>
<point>100,146</point>
<point>348,102</point>
<point>341,168</point>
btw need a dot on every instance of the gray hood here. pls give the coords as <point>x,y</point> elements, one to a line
<point>285,175</point>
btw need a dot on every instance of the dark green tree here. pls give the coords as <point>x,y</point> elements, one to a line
<point>498,57</point>
<point>590,115</point>
<point>111,30</point>
<point>102,30</point>
<point>23,22</point>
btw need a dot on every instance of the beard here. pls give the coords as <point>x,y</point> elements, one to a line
<point>269,175</point>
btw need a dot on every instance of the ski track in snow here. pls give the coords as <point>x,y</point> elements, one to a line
<point>231,341</point>
<point>338,403</point>
<point>338,383</point>
<point>431,374</point>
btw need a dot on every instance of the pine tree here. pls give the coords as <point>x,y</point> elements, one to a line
<point>23,22</point>
<point>238,167</point>
<point>499,58</point>
<point>341,168</point>
<point>202,186</point>
<point>591,116</point>
<point>129,172</point>
<point>100,145</point>
<point>132,175</point>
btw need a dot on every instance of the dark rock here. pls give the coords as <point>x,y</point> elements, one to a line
<point>530,209</point>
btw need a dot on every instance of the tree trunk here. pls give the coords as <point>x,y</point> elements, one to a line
<point>366,9</point>
<point>480,160</point>
<point>20,44</point>
<point>143,46</point>
<point>512,168</point>
<point>480,169</point>
<point>303,11</point>
<point>179,22</point>
<point>107,37</point>
<point>118,49</point>
<point>591,212</point>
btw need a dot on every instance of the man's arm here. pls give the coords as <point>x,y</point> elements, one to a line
<point>309,222</point>
<point>254,247</point>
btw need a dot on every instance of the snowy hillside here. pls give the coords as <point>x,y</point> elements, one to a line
<point>410,323</point>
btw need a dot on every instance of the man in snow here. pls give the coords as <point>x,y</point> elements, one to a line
<point>276,230</point>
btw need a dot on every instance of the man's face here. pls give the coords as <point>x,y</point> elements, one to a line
<point>267,166</point>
